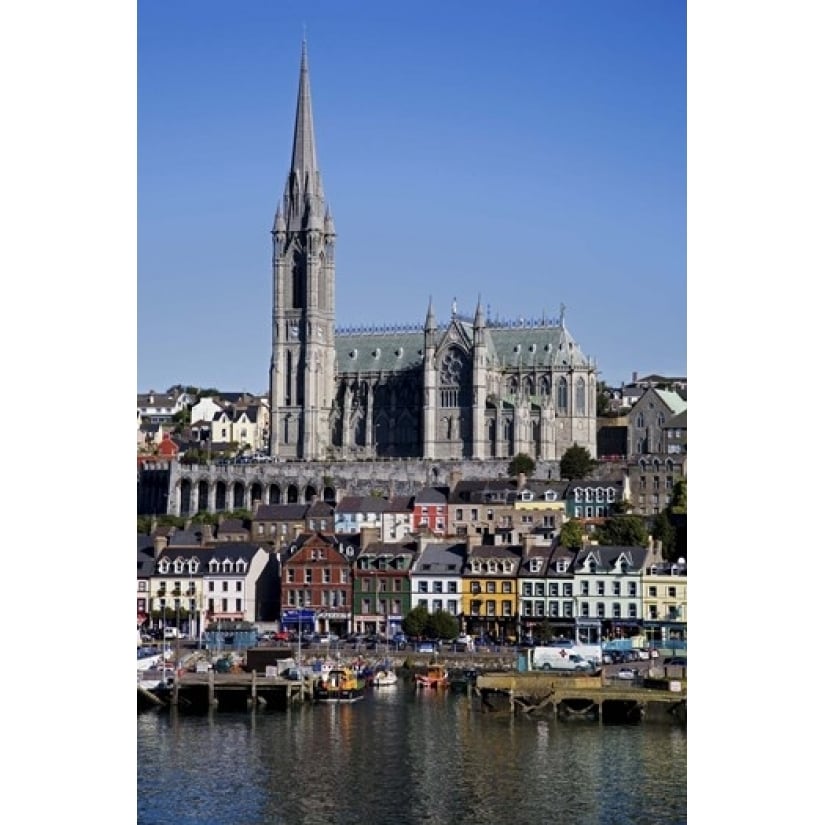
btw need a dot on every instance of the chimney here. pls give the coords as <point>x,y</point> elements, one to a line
<point>528,542</point>
<point>522,480</point>
<point>473,540</point>
<point>369,535</point>
<point>635,376</point>
<point>160,544</point>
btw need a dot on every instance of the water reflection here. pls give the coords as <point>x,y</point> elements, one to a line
<point>413,755</point>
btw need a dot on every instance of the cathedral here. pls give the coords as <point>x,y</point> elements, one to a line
<point>460,388</point>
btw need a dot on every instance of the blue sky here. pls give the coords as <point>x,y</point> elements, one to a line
<point>531,153</point>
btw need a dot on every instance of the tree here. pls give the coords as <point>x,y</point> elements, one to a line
<point>623,531</point>
<point>662,530</point>
<point>414,623</point>
<point>441,625</point>
<point>678,501</point>
<point>572,534</point>
<point>603,408</point>
<point>521,463</point>
<point>576,462</point>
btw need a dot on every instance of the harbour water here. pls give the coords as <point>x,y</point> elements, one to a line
<point>408,756</point>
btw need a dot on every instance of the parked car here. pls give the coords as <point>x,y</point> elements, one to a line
<point>171,633</point>
<point>626,673</point>
<point>426,646</point>
<point>400,640</point>
<point>284,636</point>
<point>676,661</point>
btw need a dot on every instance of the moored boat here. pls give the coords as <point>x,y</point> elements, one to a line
<point>339,684</point>
<point>436,676</point>
<point>384,677</point>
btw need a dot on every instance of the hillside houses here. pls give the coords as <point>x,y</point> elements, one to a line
<point>505,575</point>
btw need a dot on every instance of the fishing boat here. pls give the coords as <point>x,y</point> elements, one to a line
<point>435,676</point>
<point>339,684</point>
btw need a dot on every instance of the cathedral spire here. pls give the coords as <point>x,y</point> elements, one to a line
<point>304,195</point>
<point>429,324</point>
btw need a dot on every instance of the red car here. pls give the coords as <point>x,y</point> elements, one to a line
<point>283,636</point>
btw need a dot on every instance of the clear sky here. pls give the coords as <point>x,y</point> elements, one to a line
<point>530,153</point>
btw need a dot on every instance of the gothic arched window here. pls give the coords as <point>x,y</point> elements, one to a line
<point>580,396</point>
<point>561,394</point>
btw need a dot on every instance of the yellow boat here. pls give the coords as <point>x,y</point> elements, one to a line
<point>436,676</point>
<point>339,684</point>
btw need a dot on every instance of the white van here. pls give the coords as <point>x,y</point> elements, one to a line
<point>170,633</point>
<point>559,658</point>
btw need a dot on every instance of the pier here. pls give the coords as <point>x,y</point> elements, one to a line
<point>583,697</point>
<point>227,691</point>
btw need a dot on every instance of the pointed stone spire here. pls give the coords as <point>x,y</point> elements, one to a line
<point>478,322</point>
<point>429,324</point>
<point>304,193</point>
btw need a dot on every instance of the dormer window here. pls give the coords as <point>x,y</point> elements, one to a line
<point>178,566</point>
<point>240,566</point>
<point>549,495</point>
<point>163,567</point>
<point>227,566</point>
<point>193,566</point>
<point>535,565</point>
<point>577,494</point>
<point>526,495</point>
<point>214,566</point>
<point>562,565</point>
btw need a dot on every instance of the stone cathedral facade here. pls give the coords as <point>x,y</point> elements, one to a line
<point>462,388</point>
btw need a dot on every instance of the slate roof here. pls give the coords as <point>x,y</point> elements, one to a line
<point>432,495</point>
<point>677,422</point>
<point>361,504</point>
<point>440,558</point>
<point>281,512</point>
<point>510,344</point>
<point>606,556</point>
<point>145,555</point>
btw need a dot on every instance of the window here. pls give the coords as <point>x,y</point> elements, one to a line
<point>452,607</point>
<point>568,610</point>
<point>617,610</point>
<point>423,587</point>
<point>491,608</point>
<point>491,587</point>
<point>554,610</point>
<point>600,610</point>
<point>617,588</point>
<point>631,588</point>
<point>506,587</point>
<point>238,608</point>
<point>327,574</point>
<point>438,587</point>
<point>540,589</point>
<point>238,587</point>
<point>475,588</point>
<point>225,586</point>
<point>452,587</point>
<point>527,589</point>
<point>671,592</point>
<point>554,589</point>
<point>507,608</point>
<point>459,514</point>
<point>567,589</point>
<point>585,588</point>
<point>307,575</point>
<point>585,608</point>
<point>211,587</point>
<point>561,394</point>
<point>600,588</point>
<point>652,592</point>
<point>141,585</point>
<point>631,611</point>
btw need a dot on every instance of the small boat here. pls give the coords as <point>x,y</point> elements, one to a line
<point>384,676</point>
<point>339,684</point>
<point>436,676</point>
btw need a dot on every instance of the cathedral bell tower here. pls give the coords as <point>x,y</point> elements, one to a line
<point>301,373</point>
